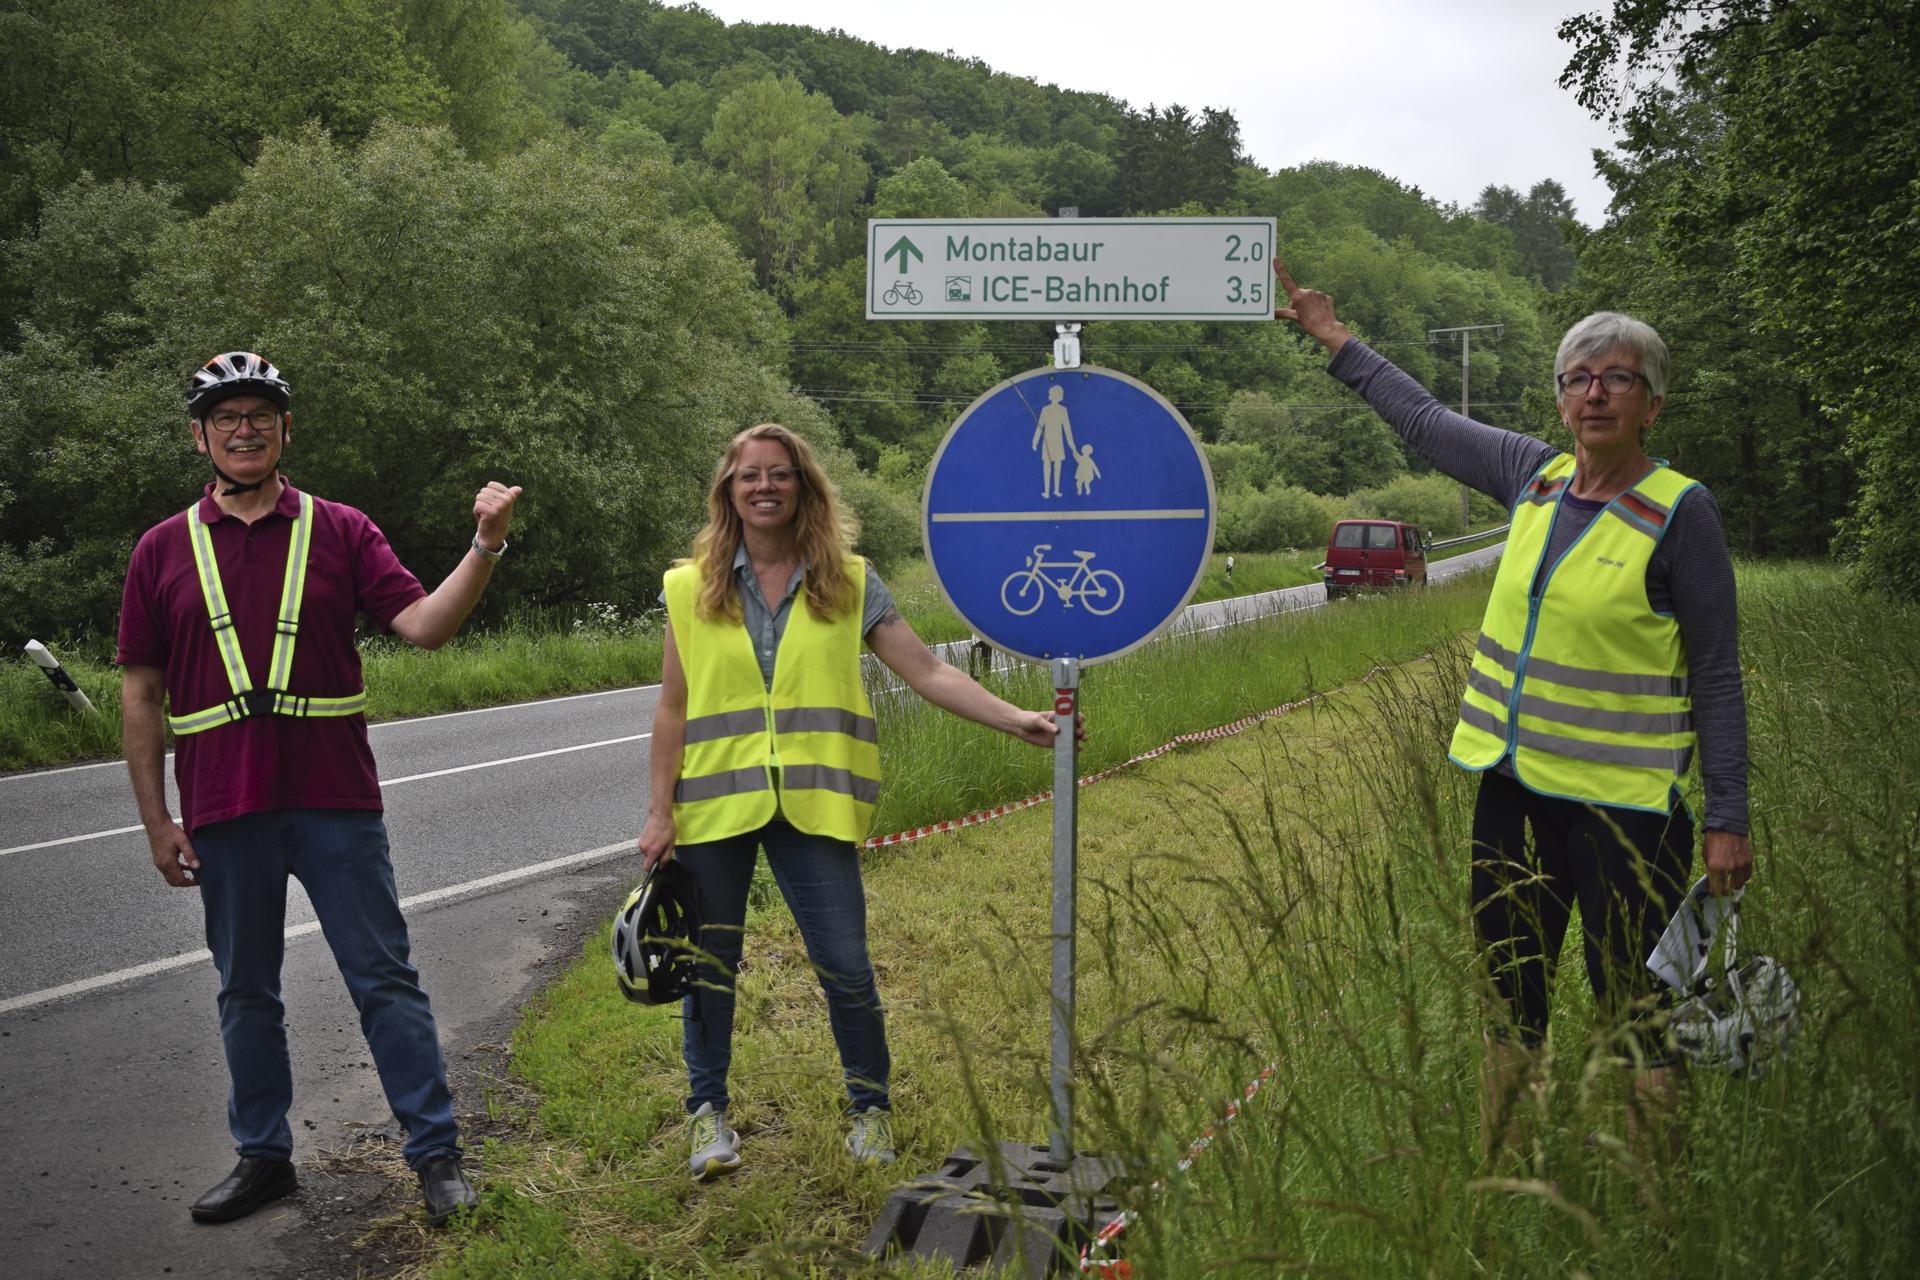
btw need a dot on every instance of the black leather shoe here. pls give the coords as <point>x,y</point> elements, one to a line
<point>446,1189</point>
<point>253,1182</point>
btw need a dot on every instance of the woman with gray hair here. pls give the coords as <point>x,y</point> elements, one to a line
<point>1608,650</point>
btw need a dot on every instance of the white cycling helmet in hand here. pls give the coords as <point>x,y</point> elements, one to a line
<point>1737,1019</point>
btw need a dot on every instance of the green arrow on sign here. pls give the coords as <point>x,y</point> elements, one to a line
<point>903,247</point>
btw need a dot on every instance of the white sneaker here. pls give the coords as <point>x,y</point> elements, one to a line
<point>716,1148</point>
<point>871,1137</point>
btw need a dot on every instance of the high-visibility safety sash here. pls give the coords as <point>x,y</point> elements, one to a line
<point>273,698</point>
<point>807,749</point>
<point>1582,681</point>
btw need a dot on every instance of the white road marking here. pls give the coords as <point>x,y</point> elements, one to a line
<point>604,853</point>
<point>494,764</point>
<point>91,835</point>
<point>390,782</point>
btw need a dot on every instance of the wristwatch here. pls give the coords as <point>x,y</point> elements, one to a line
<point>491,555</point>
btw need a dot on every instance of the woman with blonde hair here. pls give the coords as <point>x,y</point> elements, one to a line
<point>764,738</point>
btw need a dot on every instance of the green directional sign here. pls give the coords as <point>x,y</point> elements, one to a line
<point>1069,269</point>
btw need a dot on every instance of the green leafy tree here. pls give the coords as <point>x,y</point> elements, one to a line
<point>443,321</point>
<point>95,452</point>
<point>1328,448</point>
<point>1168,159</point>
<point>686,44</point>
<point>1797,204</point>
<point>474,49</point>
<point>790,165</point>
<point>922,189</point>
<point>1284,517</point>
<point>1539,222</point>
<point>1238,468</point>
<point>75,273</point>
<point>598,36</point>
<point>908,132</point>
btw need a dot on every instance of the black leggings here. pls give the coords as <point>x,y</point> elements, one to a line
<point>1627,881</point>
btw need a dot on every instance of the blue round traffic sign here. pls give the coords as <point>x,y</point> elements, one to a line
<point>1069,514</point>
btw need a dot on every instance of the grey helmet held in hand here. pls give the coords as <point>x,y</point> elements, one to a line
<point>656,934</point>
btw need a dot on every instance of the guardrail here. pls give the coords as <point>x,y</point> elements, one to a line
<point>1471,537</point>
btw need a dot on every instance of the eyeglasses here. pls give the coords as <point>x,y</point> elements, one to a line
<point>226,422</point>
<point>1617,381</point>
<point>780,477</point>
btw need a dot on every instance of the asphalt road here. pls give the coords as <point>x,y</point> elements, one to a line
<point>512,834</point>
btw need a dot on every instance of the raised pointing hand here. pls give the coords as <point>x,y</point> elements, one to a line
<point>1311,310</point>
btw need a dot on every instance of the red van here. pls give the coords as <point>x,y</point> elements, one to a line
<point>1374,553</point>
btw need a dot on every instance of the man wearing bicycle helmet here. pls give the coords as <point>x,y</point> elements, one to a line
<point>236,631</point>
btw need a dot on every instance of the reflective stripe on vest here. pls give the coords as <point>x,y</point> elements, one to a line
<point>1583,684</point>
<point>807,749</point>
<point>273,699</point>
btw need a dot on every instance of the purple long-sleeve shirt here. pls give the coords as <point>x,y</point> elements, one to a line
<point>1689,576</point>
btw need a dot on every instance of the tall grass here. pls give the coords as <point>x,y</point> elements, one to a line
<point>1347,960</point>
<point>1295,895</point>
<point>39,727</point>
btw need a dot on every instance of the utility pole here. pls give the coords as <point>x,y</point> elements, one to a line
<point>1466,332</point>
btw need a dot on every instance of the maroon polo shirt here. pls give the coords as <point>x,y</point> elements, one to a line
<point>266,761</point>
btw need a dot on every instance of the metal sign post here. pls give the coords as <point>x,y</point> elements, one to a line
<point>1068,518</point>
<point>1066,835</point>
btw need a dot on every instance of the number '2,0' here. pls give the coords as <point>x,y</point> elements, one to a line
<point>1239,252</point>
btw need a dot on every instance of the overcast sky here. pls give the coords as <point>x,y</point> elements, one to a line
<point>1445,95</point>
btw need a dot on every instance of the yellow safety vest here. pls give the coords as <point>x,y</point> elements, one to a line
<point>273,699</point>
<point>807,750</point>
<point>1583,683</point>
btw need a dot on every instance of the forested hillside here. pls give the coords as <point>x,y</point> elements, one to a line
<point>577,243</point>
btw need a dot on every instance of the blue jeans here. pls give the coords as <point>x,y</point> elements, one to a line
<point>340,857</point>
<point>820,879</point>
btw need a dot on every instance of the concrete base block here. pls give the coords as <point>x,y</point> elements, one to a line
<point>1016,1213</point>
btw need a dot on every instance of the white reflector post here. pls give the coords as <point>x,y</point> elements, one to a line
<point>44,659</point>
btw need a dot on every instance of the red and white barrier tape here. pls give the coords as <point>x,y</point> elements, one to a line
<point>954,824</point>
<point>1096,1257</point>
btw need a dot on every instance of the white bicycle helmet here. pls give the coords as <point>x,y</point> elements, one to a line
<point>236,373</point>
<point>1739,1019</point>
